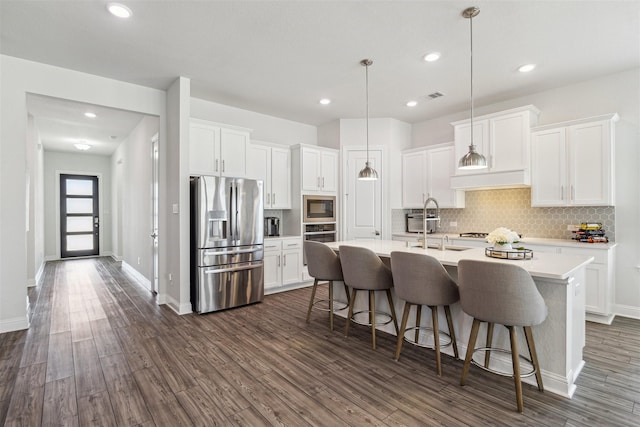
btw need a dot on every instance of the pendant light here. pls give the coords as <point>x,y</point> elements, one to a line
<point>368,173</point>
<point>473,159</point>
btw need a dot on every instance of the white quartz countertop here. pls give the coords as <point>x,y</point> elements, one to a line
<point>525,240</point>
<point>543,265</point>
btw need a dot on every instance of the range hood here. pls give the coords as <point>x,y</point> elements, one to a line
<point>492,180</point>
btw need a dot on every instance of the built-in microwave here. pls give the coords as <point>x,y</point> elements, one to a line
<point>319,208</point>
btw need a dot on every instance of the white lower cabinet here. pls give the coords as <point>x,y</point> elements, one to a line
<point>282,263</point>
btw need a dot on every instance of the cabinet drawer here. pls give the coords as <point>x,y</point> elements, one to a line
<point>600,256</point>
<point>272,245</point>
<point>291,244</point>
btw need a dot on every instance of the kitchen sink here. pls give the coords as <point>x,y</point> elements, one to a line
<point>449,248</point>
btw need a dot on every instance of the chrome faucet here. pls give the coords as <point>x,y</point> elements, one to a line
<point>424,219</point>
<point>445,238</point>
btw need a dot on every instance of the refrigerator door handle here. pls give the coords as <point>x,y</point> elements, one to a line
<point>234,268</point>
<point>231,252</point>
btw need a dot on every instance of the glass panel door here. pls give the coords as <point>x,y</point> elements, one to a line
<point>79,221</point>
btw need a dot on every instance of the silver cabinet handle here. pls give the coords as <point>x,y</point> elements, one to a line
<point>273,198</point>
<point>573,193</point>
<point>278,260</point>
<point>284,257</point>
<point>323,182</point>
<point>216,165</point>
<point>223,166</point>
<point>562,192</point>
<point>318,179</point>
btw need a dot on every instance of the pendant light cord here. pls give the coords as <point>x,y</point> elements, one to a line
<point>366,68</point>
<point>471,44</point>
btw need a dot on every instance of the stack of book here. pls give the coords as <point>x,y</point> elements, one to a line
<point>590,232</point>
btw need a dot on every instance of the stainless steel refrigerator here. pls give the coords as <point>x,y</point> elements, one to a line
<point>226,243</point>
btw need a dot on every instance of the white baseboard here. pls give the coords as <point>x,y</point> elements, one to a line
<point>40,272</point>
<point>31,283</point>
<point>51,258</point>
<point>290,287</point>
<point>143,281</point>
<point>161,299</point>
<point>180,309</point>
<point>116,258</point>
<point>15,324</point>
<point>627,311</point>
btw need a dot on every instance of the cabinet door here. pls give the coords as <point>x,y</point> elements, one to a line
<point>414,179</point>
<point>310,169</point>
<point>440,167</point>
<point>291,266</point>
<point>590,155</point>
<point>329,169</point>
<point>203,147</point>
<point>259,167</point>
<point>280,178</point>
<point>233,152</point>
<point>463,140</point>
<point>272,268</point>
<point>548,168</point>
<point>509,142</point>
<point>596,289</point>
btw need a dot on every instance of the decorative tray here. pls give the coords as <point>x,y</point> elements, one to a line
<point>516,253</point>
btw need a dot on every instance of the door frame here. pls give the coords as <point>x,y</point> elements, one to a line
<point>343,186</point>
<point>57,209</point>
<point>155,213</point>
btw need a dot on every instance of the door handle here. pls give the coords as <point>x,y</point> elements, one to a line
<point>377,233</point>
<point>153,235</point>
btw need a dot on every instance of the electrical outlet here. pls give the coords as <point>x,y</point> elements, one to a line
<point>170,277</point>
<point>138,260</point>
<point>453,224</point>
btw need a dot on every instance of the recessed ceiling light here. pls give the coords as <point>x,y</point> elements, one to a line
<point>412,103</point>
<point>526,68</point>
<point>433,56</point>
<point>325,101</point>
<point>82,147</point>
<point>90,115</point>
<point>119,10</point>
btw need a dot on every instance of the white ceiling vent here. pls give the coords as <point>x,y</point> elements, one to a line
<point>435,95</point>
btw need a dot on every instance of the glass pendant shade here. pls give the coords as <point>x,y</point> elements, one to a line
<point>368,173</point>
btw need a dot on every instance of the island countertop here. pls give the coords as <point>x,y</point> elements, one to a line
<point>543,265</point>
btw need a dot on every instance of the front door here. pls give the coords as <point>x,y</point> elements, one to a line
<point>363,199</point>
<point>79,221</point>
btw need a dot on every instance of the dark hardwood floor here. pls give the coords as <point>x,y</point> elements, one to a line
<point>101,352</point>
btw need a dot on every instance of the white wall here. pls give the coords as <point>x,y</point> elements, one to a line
<point>35,233</point>
<point>264,128</point>
<point>56,162</point>
<point>18,78</point>
<point>615,93</point>
<point>131,167</point>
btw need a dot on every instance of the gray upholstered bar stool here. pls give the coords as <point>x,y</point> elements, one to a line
<point>364,270</point>
<point>420,279</point>
<point>504,294</point>
<point>324,266</point>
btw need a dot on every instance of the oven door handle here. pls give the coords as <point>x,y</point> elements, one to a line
<point>235,268</point>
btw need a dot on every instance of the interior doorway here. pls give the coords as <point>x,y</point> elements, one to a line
<point>79,216</point>
<point>363,199</point>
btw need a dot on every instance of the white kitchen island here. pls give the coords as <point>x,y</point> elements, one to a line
<point>559,339</point>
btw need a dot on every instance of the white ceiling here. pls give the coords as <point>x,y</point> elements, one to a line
<point>280,57</point>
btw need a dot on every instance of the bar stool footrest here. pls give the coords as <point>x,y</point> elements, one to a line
<point>445,338</point>
<point>384,315</point>
<point>341,305</point>
<point>502,373</point>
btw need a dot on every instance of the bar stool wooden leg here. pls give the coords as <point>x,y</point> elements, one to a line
<point>403,326</point>
<point>418,321</point>
<point>487,354</point>
<point>346,291</point>
<point>528,333</point>
<point>331,305</point>
<point>470,348</point>
<point>313,296</point>
<point>372,317</point>
<point>350,314</point>
<point>515,357</point>
<point>393,311</point>
<point>452,332</point>
<point>436,338</point>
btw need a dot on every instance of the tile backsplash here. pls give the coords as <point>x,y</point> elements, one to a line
<point>487,210</point>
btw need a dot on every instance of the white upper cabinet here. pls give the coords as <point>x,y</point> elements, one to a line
<point>504,139</point>
<point>427,173</point>
<point>217,150</point>
<point>573,163</point>
<point>273,166</point>
<point>319,170</point>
